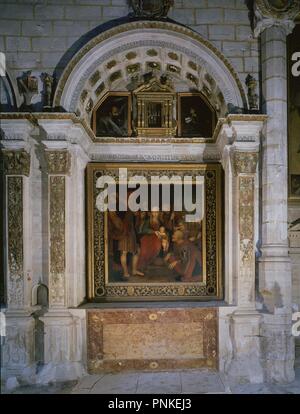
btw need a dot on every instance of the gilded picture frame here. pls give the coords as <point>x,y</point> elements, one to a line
<point>293,120</point>
<point>101,287</point>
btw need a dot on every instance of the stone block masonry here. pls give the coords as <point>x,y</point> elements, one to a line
<point>36,34</point>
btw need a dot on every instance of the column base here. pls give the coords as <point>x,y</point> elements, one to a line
<point>64,339</point>
<point>60,372</point>
<point>18,366</point>
<point>279,348</point>
<point>245,365</point>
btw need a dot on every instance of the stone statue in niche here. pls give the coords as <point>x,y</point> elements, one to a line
<point>154,9</point>
<point>47,92</point>
<point>251,83</point>
<point>28,87</point>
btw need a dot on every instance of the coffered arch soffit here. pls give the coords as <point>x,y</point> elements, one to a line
<point>117,59</point>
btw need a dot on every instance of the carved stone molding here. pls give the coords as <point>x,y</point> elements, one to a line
<point>245,162</point>
<point>58,162</point>
<point>16,162</point>
<point>57,240</point>
<point>15,283</point>
<point>269,13</point>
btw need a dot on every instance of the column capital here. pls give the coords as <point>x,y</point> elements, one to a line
<point>58,162</point>
<point>274,13</point>
<point>244,162</point>
<point>16,162</point>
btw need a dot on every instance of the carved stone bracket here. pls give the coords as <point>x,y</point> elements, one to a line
<point>58,162</point>
<point>269,13</point>
<point>16,162</point>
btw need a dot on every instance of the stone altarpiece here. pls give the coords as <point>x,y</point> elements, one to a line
<point>45,158</point>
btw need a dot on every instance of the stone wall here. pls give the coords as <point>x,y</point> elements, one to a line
<point>36,34</point>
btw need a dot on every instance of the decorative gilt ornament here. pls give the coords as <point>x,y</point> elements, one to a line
<point>245,162</point>
<point>153,9</point>
<point>16,162</point>
<point>58,162</point>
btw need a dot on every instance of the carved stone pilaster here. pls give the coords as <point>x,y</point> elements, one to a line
<point>245,164</point>
<point>57,240</point>
<point>270,13</point>
<point>15,281</point>
<point>16,162</point>
<point>58,165</point>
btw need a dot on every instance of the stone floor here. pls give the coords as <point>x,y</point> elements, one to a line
<point>179,382</point>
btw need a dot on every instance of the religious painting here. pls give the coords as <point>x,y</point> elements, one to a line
<point>294,117</point>
<point>196,117</point>
<point>112,115</point>
<point>158,236</point>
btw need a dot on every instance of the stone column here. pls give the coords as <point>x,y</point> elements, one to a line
<point>245,320</point>
<point>18,349</point>
<point>62,355</point>
<point>275,268</point>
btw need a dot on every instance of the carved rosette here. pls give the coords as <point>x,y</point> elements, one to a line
<point>58,166</point>
<point>16,162</point>
<point>245,165</point>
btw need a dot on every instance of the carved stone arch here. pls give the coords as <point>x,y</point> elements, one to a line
<point>105,64</point>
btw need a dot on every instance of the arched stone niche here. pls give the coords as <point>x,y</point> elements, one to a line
<point>117,59</point>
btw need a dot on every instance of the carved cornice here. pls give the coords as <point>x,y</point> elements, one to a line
<point>245,162</point>
<point>16,162</point>
<point>269,13</point>
<point>58,162</point>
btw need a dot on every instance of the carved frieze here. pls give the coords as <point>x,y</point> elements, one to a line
<point>57,239</point>
<point>15,241</point>
<point>16,162</point>
<point>58,162</point>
